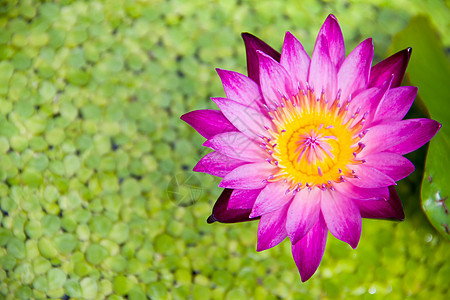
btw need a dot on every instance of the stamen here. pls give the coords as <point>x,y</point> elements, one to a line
<point>362,134</point>
<point>361,146</point>
<point>281,94</point>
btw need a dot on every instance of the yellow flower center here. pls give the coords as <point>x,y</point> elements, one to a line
<point>314,143</point>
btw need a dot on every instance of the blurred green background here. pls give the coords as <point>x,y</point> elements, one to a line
<point>98,199</point>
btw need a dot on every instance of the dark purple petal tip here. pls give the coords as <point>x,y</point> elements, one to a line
<point>390,209</point>
<point>211,219</point>
<point>252,44</point>
<point>222,214</point>
<point>395,64</point>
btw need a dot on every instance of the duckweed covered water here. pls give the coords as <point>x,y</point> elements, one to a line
<point>98,199</point>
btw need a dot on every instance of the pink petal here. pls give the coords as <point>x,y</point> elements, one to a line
<point>367,101</point>
<point>208,122</point>
<point>322,72</point>
<point>383,136</point>
<point>363,102</point>
<point>241,89</point>
<point>393,165</point>
<point>393,65</point>
<point>252,44</point>
<point>369,177</point>
<point>275,81</point>
<point>247,120</point>
<point>271,198</point>
<point>342,217</point>
<point>248,177</point>
<point>217,164</point>
<point>237,145</point>
<point>308,252</point>
<point>272,229</point>
<point>354,72</point>
<point>333,34</point>
<point>382,209</point>
<point>295,60</point>
<point>303,213</point>
<point>396,104</point>
<point>224,215</point>
<point>243,199</point>
<point>356,193</point>
<point>419,136</point>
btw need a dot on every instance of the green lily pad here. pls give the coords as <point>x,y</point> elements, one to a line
<point>435,189</point>
<point>429,70</point>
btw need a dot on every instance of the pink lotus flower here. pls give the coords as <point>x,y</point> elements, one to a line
<point>311,145</point>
